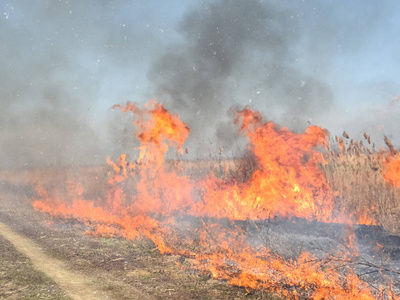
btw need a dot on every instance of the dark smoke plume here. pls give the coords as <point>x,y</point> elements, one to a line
<point>234,51</point>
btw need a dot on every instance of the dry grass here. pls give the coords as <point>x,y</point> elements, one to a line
<point>93,179</point>
<point>20,280</point>
<point>121,267</point>
<point>239,169</point>
<point>355,172</point>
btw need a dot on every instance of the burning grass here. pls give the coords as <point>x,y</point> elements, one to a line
<point>197,218</point>
<point>361,179</point>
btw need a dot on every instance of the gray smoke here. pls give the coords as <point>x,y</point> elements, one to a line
<point>59,60</point>
<point>63,64</point>
<point>280,57</point>
<point>237,52</point>
<point>41,94</point>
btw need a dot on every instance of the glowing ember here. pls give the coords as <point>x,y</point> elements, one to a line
<point>287,182</point>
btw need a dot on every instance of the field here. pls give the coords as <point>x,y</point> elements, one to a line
<point>115,268</point>
<point>356,173</point>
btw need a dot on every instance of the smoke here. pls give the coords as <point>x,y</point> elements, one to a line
<point>63,64</point>
<point>289,61</point>
<point>237,52</point>
<point>61,68</point>
<point>41,102</point>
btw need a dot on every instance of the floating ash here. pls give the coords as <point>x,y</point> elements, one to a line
<point>227,227</point>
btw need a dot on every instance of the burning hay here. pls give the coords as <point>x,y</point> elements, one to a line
<point>215,221</point>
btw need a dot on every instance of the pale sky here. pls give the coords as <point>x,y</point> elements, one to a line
<point>65,63</point>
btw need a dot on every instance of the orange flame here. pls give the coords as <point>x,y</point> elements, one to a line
<point>287,182</point>
<point>392,170</point>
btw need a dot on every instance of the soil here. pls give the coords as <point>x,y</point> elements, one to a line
<point>52,258</point>
<point>19,279</point>
<point>46,258</point>
<point>74,284</point>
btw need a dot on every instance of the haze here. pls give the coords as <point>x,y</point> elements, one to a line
<point>64,64</point>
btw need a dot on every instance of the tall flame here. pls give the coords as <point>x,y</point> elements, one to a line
<point>287,182</point>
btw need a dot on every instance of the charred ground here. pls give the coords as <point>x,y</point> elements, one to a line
<point>123,267</point>
<point>120,267</point>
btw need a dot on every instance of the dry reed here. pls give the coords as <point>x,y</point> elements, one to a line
<point>354,170</point>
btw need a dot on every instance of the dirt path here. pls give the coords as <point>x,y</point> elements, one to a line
<point>76,285</point>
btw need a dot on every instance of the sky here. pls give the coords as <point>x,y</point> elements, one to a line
<point>64,64</point>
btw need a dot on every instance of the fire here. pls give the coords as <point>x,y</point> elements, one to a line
<point>155,127</point>
<point>392,170</point>
<point>287,182</point>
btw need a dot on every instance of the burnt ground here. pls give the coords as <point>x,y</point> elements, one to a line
<point>121,268</point>
<point>374,255</point>
<point>376,259</point>
<point>135,269</point>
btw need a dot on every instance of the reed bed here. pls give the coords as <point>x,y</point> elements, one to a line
<point>354,170</point>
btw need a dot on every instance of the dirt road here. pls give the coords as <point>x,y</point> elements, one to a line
<point>74,284</point>
<point>54,258</point>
